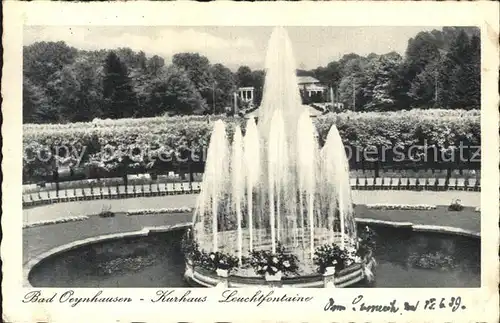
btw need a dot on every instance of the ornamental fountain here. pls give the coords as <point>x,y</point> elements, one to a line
<point>274,189</point>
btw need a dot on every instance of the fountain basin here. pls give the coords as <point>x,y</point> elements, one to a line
<point>198,276</point>
<point>406,257</point>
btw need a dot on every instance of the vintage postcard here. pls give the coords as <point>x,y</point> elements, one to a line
<point>309,162</point>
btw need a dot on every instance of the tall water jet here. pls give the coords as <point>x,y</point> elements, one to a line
<point>307,152</point>
<point>336,176</point>
<point>281,89</point>
<point>238,184</point>
<point>277,174</point>
<point>281,95</point>
<point>252,157</point>
<point>279,186</point>
<point>215,180</point>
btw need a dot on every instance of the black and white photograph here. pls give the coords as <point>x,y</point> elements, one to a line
<point>230,161</point>
<point>219,156</point>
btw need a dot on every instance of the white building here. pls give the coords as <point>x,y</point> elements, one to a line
<point>311,86</point>
<point>246,93</point>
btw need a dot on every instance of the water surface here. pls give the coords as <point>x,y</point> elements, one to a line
<point>405,259</point>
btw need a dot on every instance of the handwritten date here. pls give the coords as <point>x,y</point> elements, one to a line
<point>454,303</point>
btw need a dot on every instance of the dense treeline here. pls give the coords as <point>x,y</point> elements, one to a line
<point>63,84</point>
<point>441,69</point>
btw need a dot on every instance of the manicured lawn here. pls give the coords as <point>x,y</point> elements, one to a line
<point>466,219</point>
<point>38,240</point>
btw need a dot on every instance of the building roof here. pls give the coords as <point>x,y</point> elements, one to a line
<point>312,112</point>
<point>306,79</point>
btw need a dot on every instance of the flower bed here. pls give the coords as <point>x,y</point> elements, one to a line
<point>266,263</point>
<point>159,211</point>
<point>401,206</point>
<point>331,260</point>
<point>218,262</point>
<point>273,265</point>
<point>61,220</point>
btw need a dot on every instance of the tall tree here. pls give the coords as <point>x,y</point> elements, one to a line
<point>329,75</point>
<point>225,87</point>
<point>244,76</point>
<point>474,73</point>
<point>197,68</point>
<point>172,92</point>
<point>80,89</point>
<point>130,58</point>
<point>42,59</point>
<point>258,79</point>
<point>421,51</point>
<point>119,97</point>
<point>462,73</point>
<point>425,87</point>
<point>155,64</point>
<point>379,86</point>
<point>36,105</point>
<point>345,60</point>
<point>350,89</point>
<point>141,61</point>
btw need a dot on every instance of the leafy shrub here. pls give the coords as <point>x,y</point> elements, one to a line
<point>433,260</point>
<point>106,212</point>
<point>456,205</point>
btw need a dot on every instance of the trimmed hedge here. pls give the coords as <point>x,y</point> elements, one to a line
<point>106,142</point>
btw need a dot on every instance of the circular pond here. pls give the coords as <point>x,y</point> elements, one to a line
<point>405,259</point>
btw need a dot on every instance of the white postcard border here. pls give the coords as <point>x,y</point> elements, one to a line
<point>482,303</point>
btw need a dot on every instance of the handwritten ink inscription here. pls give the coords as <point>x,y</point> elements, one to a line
<point>332,307</point>
<point>359,304</point>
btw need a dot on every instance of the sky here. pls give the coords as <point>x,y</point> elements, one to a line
<point>232,46</point>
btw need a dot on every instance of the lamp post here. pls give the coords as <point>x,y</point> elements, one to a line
<point>235,98</point>
<point>213,96</point>
<point>436,88</point>
<point>353,95</point>
<point>332,99</point>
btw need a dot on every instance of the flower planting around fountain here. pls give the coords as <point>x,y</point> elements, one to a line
<point>274,206</point>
